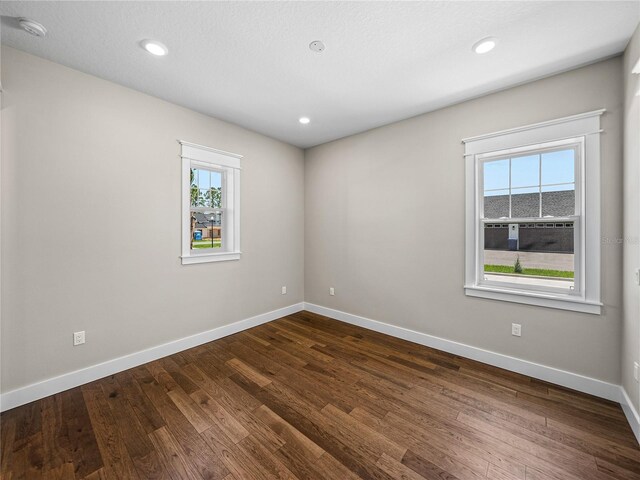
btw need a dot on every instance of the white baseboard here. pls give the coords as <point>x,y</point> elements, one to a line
<point>35,391</point>
<point>535,370</point>
<point>630,412</point>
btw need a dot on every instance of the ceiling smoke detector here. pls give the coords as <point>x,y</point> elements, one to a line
<point>31,26</point>
<point>317,46</point>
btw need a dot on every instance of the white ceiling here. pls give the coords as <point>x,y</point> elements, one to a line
<point>249,62</point>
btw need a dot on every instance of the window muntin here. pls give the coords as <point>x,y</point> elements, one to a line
<point>536,184</point>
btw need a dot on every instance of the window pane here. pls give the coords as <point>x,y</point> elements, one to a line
<point>496,174</point>
<point>204,179</point>
<point>207,230</point>
<point>195,191</point>
<point>525,202</point>
<point>558,167</point>
<point>213,197</point>
<point>531,254</point>
<point>525,171</point>
<point>558,203</point>
<point>496,204</point>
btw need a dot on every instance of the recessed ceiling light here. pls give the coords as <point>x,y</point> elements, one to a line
<point>304,120</point>
<point>485,45</point>
<point>154,48</point>
<point>31,26</point>
<point>317,46</point>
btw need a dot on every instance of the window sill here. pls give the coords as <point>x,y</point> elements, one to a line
<point>535,298</point>
<point>210,257</point>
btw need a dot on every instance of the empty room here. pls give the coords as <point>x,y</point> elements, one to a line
<point>312,240</point>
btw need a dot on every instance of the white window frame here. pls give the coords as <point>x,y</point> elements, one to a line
<point>207,158</point>
<point>576,144</point>
<point>582,130</point>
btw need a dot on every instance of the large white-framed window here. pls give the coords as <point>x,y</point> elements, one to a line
<point>210,204</point>
<point>533,214</point>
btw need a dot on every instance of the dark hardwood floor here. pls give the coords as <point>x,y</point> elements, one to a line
<point>306,397</point>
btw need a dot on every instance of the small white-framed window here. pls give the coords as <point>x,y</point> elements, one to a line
<point>533,214</point>
<point>210,204</point>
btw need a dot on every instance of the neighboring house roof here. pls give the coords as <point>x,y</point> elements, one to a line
<point>203,220</point>
<point>556,204</point>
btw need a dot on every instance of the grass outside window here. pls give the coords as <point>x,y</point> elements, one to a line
<point>539,272</point>
<point>217,243</point>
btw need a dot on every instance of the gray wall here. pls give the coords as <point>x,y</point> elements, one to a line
<point>370,217</point>
<point>89,170</point>
<point>631,245</point>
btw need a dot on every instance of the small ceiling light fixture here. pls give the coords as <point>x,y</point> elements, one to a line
<point>154,48</point>
<point>304,120</point>
<point>31,26</point>
<point>485,45</point>
<point>317,46</point>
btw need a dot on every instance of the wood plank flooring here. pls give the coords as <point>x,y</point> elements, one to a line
<point>307,397</point>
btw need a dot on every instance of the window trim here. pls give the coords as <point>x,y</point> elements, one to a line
<point>586,128</point>
<point>194,155</point>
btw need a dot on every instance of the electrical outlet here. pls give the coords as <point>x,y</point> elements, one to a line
<point>332,291</point>
<point>636,367</point>
<point>78,338</point>
<point>284,290</point>
<point>637,274</point>
<point>516,329</point>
